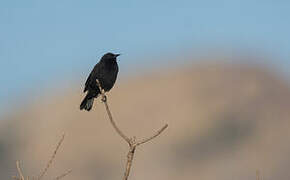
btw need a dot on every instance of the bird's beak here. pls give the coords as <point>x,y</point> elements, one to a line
<point>116,55</point>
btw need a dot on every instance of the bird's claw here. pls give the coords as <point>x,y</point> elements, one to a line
<point>104,98</point>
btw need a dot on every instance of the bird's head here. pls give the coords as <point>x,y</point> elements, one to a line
<point>110,56</point>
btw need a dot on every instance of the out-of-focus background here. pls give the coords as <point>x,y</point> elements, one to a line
<point>216,71</point>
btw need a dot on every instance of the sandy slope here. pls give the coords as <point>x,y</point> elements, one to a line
<point>225,121</point>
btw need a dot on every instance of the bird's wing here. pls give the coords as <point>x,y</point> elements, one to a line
<point>87,82</point>
<point>92,77</point>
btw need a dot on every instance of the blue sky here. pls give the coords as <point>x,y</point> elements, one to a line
<point>41,41</point>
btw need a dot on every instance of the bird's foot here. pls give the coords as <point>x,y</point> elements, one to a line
<point>104,98</point>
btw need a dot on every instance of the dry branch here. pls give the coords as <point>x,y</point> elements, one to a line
<point>51,159</point>
<point>62,175</point>
<point>19,171</point>
<point>152,137</point>
<point>48,165</point>
<point>131,141</point>
<point>104,99</point>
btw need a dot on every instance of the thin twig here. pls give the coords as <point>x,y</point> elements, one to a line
<point>104,99</point>
<point>130,157</point>
<point>45,169</point>
<point>131,141</point>
<point>51,159</point>
<point>19,171</point>
<point>152,137</point>
<point>63,175</point>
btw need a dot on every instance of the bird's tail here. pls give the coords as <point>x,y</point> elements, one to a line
<point>87,103</point>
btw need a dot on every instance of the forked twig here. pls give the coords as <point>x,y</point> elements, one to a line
<point>21,176</point>
<point>131,141</point>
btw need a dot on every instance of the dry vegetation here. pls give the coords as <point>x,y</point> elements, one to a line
<point>44,171</point>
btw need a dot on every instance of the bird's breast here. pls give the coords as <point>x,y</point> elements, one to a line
<point>109,77</point>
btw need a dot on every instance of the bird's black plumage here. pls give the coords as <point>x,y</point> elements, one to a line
<point>106,71</point>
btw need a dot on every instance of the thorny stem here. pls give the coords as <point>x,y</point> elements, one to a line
<point>131,141</point>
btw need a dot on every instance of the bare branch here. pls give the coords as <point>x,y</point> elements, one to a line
<point>45,169</point>
<point>19,171</point>
<point>131,141</point>
<point>130,157</point>
<point>63,175</point>
<point>51,159</point>
<point>104,99</point>
<point>152,137</point>
<point>133,144</point>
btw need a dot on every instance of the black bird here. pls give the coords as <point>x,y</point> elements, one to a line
<point>106,71</point>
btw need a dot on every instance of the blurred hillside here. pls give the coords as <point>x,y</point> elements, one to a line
<point>225,122</point>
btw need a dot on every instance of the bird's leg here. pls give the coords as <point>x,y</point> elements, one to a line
<point>104,97</point>
<point>102,91</point>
